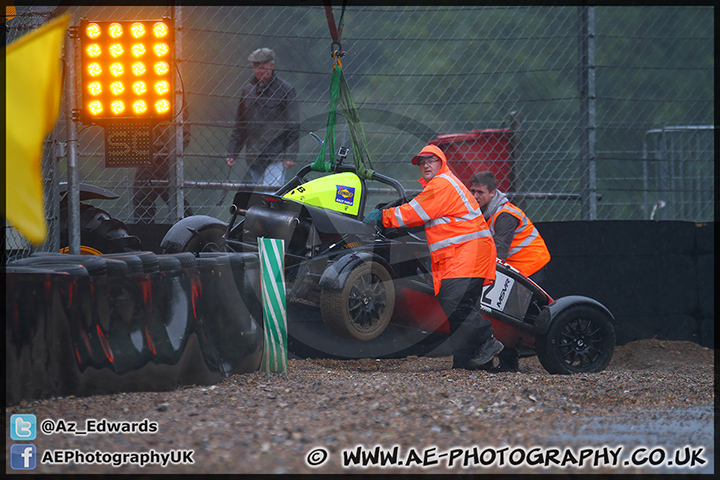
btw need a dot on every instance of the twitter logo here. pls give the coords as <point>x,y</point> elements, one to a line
<point>23,427</point>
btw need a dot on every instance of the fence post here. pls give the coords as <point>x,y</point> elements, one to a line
<point>177,173</point>
<point>517,168</point>
<point>73,192</point>
<point>587,112</point>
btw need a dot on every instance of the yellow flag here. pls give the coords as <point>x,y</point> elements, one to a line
<point>33,93</point>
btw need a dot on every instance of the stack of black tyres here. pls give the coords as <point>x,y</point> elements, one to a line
<point>229,312</point>
<point>84,324</point>
<point>37,336</point>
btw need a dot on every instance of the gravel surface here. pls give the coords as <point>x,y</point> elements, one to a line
<point>656,394</point>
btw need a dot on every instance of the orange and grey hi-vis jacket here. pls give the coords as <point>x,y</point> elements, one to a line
<point>459,239</point>
<point>528,252</point>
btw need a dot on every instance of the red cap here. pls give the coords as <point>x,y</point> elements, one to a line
<point>429,151</point>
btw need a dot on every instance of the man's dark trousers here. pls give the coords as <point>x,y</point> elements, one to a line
<point>459,299</point>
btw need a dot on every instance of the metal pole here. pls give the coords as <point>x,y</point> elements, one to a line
<point>663,172</point>
<point>179,179</point>
<point>646,185</point>
<point>587,112</point>
<point>73,195</point>
<point>516,153</point>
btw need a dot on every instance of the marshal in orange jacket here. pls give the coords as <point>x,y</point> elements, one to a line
<point>528,252</point>
<point>459,239</point>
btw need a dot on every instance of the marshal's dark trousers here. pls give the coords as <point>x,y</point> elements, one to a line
<point>459,299</point>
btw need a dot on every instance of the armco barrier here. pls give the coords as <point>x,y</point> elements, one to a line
<point>81,325</point>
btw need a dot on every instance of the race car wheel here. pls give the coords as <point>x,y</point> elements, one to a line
<point>198,233</point>
<point>580,340</point>
<point>363,308</point>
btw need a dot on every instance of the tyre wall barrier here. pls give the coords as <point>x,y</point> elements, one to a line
<point>657,278</point>
<point>83,325</point>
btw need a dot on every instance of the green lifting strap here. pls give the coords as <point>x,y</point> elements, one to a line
<point>340,92</point>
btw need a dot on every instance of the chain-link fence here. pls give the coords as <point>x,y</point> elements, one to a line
<point>576,109</point>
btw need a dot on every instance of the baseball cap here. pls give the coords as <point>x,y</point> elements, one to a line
<point>262,55</point>
<point>427,152</point>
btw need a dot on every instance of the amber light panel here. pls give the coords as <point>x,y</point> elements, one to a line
<point>93,30</point>
<point>137,30</point>
<point>127,70</point>
<point>115,30</point>
<point>160,30</point>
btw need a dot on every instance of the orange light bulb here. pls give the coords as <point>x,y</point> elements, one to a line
<point>116,69</point>
<point>139,88</point>
<point>138,68</point>
<point>94,88</point>
<point>115,30</point>
<point>93,50</point>
<point>162,87</point>
<point>161,49</point>
<point>138,50</point>
<point>117,88</point>
<point>95,107</point>
<point>139,107</point>
<point>137,29</point>
<point>117,107</point>
<point>161,68</point>
<point>162,106</point>
<point>93,30</point>
<point>94,69</point>
<point>160,30</point>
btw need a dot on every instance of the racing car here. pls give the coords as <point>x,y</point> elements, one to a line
<point>363,280</point>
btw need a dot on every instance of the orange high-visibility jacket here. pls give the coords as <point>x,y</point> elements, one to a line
<point>459,239</point>
<point>528,252</point>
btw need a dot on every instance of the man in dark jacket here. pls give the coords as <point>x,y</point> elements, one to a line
<point>145,193</point>
<point>266,124</point>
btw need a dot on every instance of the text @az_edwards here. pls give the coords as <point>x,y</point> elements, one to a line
<point>51,426</point>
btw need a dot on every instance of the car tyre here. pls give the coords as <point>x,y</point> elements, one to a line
<point>198,233</point>
<point>363,308</point>
<point>99,232</point>
<point>580,339</point>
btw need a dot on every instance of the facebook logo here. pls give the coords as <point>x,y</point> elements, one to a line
<point>23,457</point>
<point>23,427</point>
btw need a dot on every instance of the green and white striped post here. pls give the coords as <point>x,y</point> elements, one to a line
<point>272,272</point>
